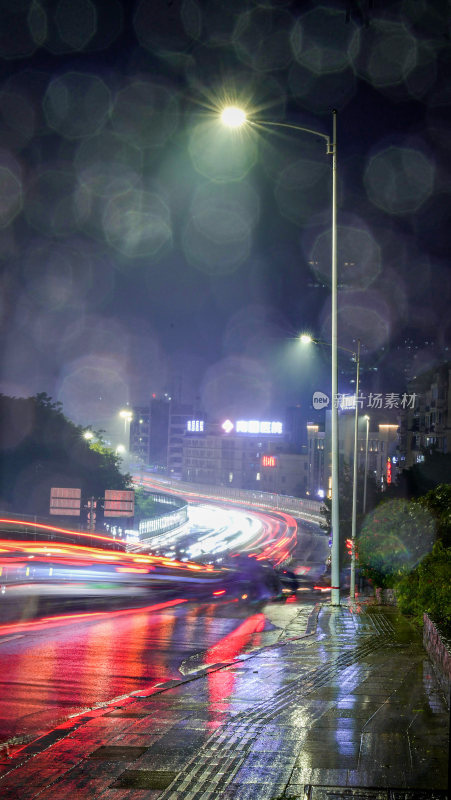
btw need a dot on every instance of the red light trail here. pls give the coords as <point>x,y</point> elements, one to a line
<point>69,619</point>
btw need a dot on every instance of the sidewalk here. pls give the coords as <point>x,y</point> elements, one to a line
<point>352,704</point>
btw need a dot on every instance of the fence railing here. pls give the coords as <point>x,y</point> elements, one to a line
<point>42,529</point>
<point>303,508</point>
<point>168,521</point>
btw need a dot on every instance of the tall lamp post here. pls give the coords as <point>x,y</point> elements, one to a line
<point>354,475</point>
<point>127,416</point>
<point>366,461</point>
<point>235,117</point>
<point>306,338</point>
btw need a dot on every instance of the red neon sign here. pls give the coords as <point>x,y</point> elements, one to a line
<point>388,471</point>
<point>268,461</point>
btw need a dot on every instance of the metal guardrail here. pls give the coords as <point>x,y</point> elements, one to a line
<point>298,506</point>
<point>163,523</point>
<point>42,529</point>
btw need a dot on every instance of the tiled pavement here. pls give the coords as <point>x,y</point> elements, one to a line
<point>352,703</point>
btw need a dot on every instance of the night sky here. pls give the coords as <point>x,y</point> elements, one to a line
<point>145,248</point>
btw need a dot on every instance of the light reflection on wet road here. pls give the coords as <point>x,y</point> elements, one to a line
<point>51,673</point>
<point>352,704</point>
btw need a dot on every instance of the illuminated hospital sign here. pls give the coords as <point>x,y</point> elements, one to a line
<point>253,426</point>
<point>195,425</point>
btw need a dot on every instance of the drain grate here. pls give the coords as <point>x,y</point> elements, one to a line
<point>144,779</point>
<point>418,794</point>
<point>123,712</point>
<point>336,793</point>
<point>118,753</point>
<point>361,793</point>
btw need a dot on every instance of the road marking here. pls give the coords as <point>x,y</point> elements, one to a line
<point>10,638</point>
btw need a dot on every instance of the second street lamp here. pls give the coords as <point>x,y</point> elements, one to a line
<point>306,338</point>
<point>235,117</point>
<point>354,475</point>
<point>127,416</point>
<point>366,461</point>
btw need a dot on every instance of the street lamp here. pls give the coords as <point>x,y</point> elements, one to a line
<point>234,117</point>
<point>366,417</point>
<point>127,416</point>
<point>305,338</point>
<point>354,475</point>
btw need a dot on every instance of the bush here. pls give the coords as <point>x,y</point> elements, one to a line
<point>427,589</point>
<point>394,539</point>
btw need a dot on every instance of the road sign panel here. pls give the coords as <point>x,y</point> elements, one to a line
<point>119,503</point>
<point>65,502</point>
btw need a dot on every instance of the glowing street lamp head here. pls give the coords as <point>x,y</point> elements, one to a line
<point>233,117</point>
<point>305,338</point>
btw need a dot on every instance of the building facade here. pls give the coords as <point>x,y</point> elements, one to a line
<point>246,455</point>
<point>140,434</point>
<point>159,432</point>
<point>179,416</point>
<point>426,424</point>
<point>381,456</point>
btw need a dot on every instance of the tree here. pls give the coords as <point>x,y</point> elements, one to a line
<point>438,503</point>
<point>393,540</point>
<point>426,589</point>
<point>423,476</point>
<point>144,506</point>
<point>41,448</point>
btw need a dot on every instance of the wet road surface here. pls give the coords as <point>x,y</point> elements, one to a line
<point>53,669</point>
<point>352,704</point>
<point>99,650</point>
<point>223,700</point>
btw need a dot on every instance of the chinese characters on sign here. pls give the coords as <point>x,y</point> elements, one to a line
<point>372,400</point>
<point>388,471</point>
<point>268,461</point>
<point>253,426</point>
<point>376,400</point>
<point>195,425</point>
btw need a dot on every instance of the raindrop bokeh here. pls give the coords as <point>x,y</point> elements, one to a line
<point>399,179</point>
<point>138,234</point>
<point>77,104</point>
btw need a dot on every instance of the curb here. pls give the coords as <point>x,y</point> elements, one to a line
<point>35,746</point>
